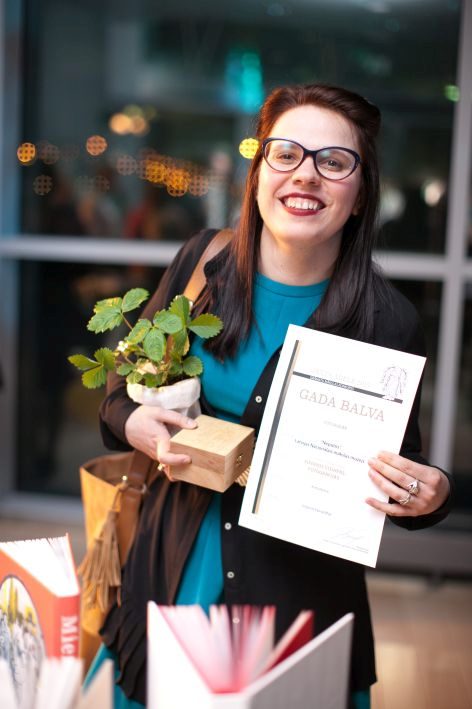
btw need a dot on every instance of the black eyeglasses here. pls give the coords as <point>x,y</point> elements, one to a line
<point>333,163</point>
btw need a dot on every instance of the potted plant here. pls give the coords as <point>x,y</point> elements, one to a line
<point>154,355</point>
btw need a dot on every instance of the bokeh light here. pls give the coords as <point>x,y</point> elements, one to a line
<point>198,185</point>
<point>132,120</point>
<point>26,153</point>
<point>126,165</point>
<point>452,92</point>
<point>100,183</point>
<point>120,123</point>
<point>96,145</point>
<point>42,184</point>
<point>248,147</point>
<point>155,171</point>
<point>48,152</point>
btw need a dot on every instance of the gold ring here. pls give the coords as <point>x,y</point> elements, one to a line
<point>161,467</point>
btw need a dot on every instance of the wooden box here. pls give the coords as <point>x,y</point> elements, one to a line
<point>220,452</point>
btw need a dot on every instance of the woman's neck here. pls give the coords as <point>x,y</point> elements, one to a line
<point>297,264</point>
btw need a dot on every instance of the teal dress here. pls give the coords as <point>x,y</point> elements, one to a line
<point>228,386</point>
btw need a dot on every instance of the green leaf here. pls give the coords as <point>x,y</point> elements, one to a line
<point>106,357</point>
<point>167,322</point>
<point>206,325</point>
<point>181,306</point>
<point>175,369</point>
<point>180,344</point>
<point>154,345</point>
<point>95,378</point>
<point>133,299</point>
<point>139,331</point>
<point>81,362</point>
<point>134,377</point>
<point>192,366</point>
<point>107,303</point>
<point>152,380</point>
<point>105,319</point>
<point>125,369</point>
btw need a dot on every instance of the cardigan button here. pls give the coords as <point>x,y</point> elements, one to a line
<point>228,525</point>
<point>230,575</point>
<point>258,399</point>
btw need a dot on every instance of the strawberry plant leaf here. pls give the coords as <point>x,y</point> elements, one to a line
<point>180,306</point>
<point>206,325</point>
<point>107,303</point>
<point>81,362</point>
<point>151,380</point>
<point>192,366</point>
<point>134,377</point>
<point>175,369</point>
<point>180,343</point>
<point>106,358</point>
<point>154,345</point>
<point>139,331</point>
<point>167,322</point>
<point>95,377</point>
<point>125,369</point>
<point>105,319</point>
<point>133,299</point>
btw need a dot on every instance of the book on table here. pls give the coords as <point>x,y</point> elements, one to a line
<point>39,607</point>
<point>228,660</point>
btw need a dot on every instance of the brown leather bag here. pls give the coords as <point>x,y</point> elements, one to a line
<point>113,487</point>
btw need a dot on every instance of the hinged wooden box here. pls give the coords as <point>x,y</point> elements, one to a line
<point>220,452</point>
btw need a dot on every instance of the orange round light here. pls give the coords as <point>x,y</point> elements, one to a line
<point>96,145</point>
<point>26,153</point>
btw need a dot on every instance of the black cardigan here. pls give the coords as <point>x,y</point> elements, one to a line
<point>258,569</point>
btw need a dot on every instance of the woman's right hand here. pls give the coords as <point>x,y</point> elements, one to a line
<point>146,430</point>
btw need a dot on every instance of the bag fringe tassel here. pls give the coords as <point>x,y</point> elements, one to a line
<point>100,569</point>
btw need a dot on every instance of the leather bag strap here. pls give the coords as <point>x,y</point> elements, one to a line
<point>197,280</point>
<point>141,475</point>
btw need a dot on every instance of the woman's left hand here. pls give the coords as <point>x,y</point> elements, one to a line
<point>414,489</point>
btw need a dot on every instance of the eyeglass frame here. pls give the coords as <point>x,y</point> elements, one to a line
<point>313,154</point>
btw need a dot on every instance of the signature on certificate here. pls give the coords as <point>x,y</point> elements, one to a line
<point>349,536</point>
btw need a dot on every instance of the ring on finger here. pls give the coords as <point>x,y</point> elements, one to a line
<point>405,500</point>
<point>161,467</point>
<point>414,487</point>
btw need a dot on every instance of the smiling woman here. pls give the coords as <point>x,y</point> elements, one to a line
<point>301,254</point>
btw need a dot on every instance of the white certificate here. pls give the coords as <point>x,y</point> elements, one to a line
<point>333,404</point>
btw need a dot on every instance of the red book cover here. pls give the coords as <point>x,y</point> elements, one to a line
<point>39,605</point>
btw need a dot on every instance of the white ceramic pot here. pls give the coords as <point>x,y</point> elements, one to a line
<point>182,397</point>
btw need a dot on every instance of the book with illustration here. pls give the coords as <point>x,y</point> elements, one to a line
<point>228,660</point>
<point>39,607</point>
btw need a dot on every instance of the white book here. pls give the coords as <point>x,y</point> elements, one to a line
<point>316,675</point>
<point>59,687</point>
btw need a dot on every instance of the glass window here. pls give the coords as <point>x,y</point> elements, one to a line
<point>58,422</point>
<point>133,112</point>
<point>426,296</point>
<point>463,428</point>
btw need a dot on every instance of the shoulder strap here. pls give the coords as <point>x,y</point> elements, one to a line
<point>192,290</point>
<point>197,280</point>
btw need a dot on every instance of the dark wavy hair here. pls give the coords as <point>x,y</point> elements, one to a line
<point>348,304</point>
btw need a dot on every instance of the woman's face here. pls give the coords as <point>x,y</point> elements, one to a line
<point>301,207</point>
